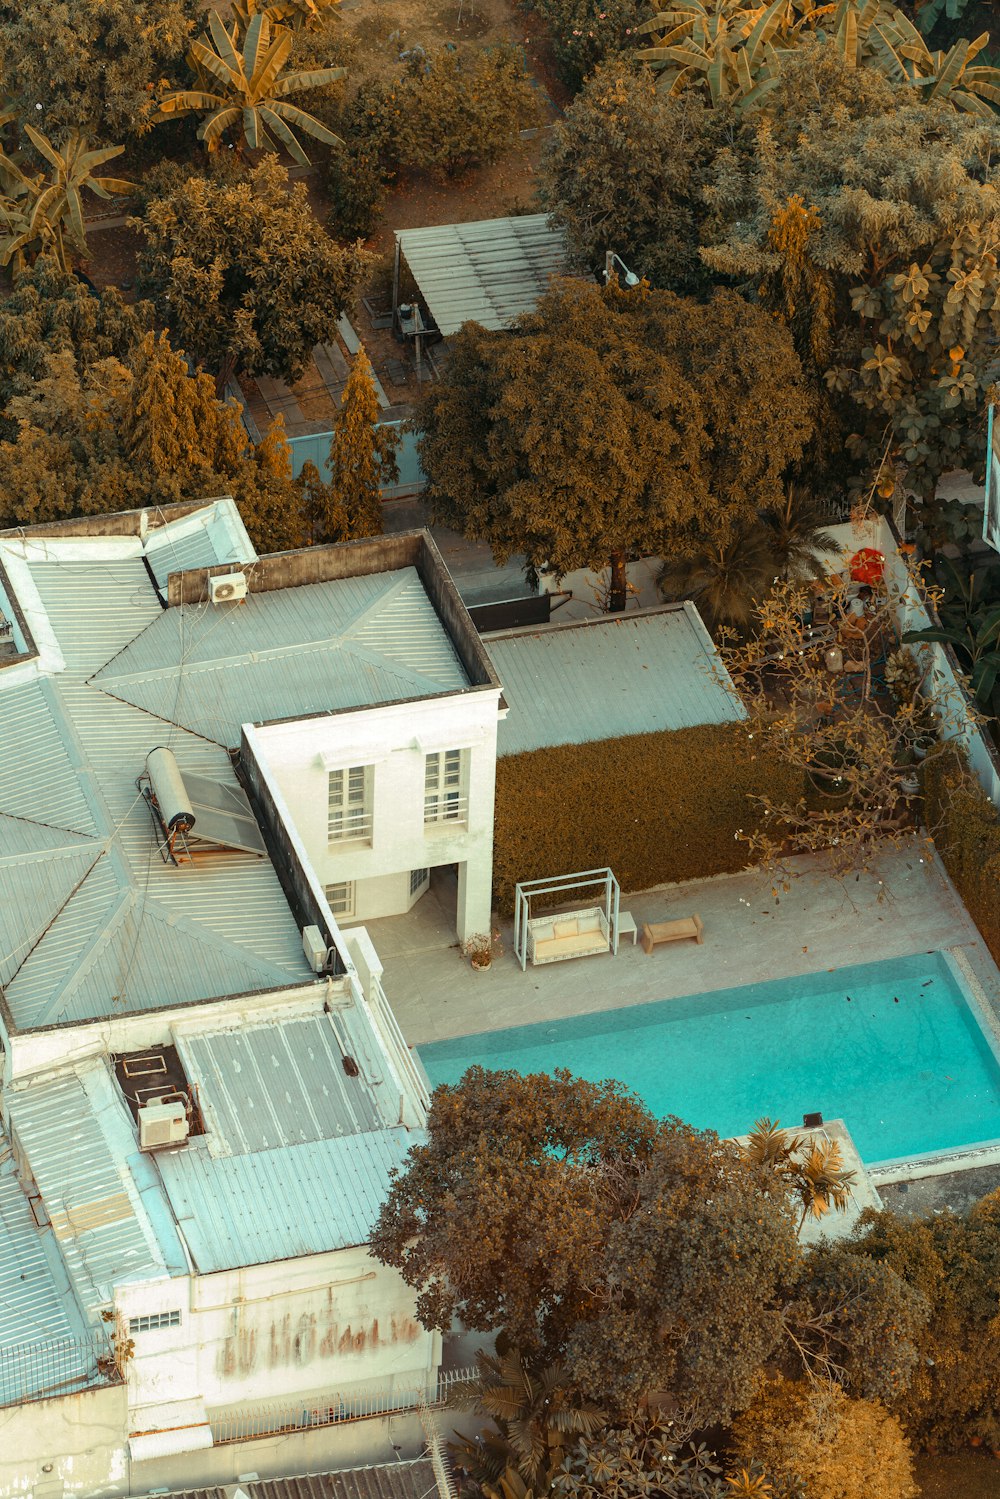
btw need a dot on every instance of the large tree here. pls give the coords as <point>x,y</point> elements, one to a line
<point>91,65</point>
<point>868,220</point>
<point>242,273</point>
<point>50,310</point>
<point>612,423</point>
<point>644,1254</point>
<point>625,171</point>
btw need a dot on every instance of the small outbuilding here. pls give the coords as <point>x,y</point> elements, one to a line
<point>490,272</point>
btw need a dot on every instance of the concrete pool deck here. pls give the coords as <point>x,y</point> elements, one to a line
<point>750,937</point>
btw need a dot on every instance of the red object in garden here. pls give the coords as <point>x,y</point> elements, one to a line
<point>867,566</point>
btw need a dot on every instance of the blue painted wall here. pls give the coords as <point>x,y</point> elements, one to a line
<point>315,448</point>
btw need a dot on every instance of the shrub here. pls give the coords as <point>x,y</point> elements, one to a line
<point>656,808</point>
<point>361,172</point>
<point>966,828</point>
<point>585,32</point>
<point>462,112</point>
<point>816,1438</point>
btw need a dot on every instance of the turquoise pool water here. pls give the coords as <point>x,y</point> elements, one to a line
<point>893,1048</point>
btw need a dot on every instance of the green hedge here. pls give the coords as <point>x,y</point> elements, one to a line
<point>965,826</point>
<point>655,808</point>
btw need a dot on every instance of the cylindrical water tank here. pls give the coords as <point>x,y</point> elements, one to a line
<point>168,788</point>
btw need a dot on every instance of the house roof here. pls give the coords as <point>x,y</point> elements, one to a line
<point>490,272</point>
<point>405,1480</point>
<point>316,648</point>
<point>606,678</point>
<point>92,922</point>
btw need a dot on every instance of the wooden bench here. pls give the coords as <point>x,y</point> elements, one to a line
<point>655,932</point>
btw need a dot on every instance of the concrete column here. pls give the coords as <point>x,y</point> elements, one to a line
<point>475,897</point>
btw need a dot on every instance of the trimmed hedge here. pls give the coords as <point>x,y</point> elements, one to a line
<point>965,826</point>
<point>655,808</point>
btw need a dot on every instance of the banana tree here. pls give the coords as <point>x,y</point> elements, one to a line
<point>46,212</point>
<point>970,623</point>
<point>301,15</point>
<point>735,50</point>
<point>725,47</point>
<point>251,88</point>
<point>946,77</point>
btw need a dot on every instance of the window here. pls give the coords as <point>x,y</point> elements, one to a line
<point>349,816</point>
<point>444,787</point>
<point>340,898</point>
<point>153,1321</point>
<point>418,878</point>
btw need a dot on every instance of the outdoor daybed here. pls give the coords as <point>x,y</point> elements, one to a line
<point>573,934</point>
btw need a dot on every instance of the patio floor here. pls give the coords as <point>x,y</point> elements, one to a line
<point>749,937</point>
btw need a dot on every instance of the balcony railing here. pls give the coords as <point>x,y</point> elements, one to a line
<point>57,1366</point>
<point>247,1423</point>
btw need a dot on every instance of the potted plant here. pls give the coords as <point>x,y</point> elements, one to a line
<point>480,947</point>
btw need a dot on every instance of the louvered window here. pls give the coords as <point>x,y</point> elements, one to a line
<point>349,817</point>
<point>445,796</point>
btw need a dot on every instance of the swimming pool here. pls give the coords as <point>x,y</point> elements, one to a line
<point>895,1049</point>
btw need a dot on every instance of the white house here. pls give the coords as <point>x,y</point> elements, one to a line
<point>352,681</point>
<point>166,1274</point>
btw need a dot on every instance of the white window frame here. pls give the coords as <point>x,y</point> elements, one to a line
<point>418,878</point>
<point>345,904</point>
<point>349,805</point>
<point>446,783</point>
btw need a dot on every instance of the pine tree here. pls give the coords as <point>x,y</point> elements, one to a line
<point>362,459</point>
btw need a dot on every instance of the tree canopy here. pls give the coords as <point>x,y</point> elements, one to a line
<point>242,274</point>
<point>639,1252</point>
<point>91,65</point>
<point>868,221</point>
<point>612,423</point>
<point>625,171</point>
<point>99,414</point>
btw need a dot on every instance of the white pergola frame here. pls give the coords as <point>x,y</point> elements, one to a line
<point>561,887</point>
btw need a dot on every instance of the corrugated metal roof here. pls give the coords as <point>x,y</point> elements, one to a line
<point>89,1196</point>
<point>490,272</point>
<point>314,649</point>
<point>412,1480</point>
<point>201,540</point>
<point>44,786</point>
<point>35,1301</point>
<point>267,1086</point>
<point>91,921</point>
<point>604,679</point>
<point>279,1204</point>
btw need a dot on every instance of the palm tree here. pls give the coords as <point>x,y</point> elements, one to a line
<point>536,1414</point>
<point>798,540</point>
<point>818,1178</point>
<point>252,89</point>
<point>724,578</point>
<point>47,212</point>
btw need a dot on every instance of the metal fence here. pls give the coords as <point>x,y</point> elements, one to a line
<point>58,1366</point>
<point>245,1423</point>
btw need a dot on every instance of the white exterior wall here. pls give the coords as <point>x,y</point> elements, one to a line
<point>72,1445</point>
<point>299,1327</point>
<point>394,741</point>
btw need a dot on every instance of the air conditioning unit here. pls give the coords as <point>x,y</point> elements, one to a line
<point>314,947</point>
<point>227,588</point>
<point>163,1124</point>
